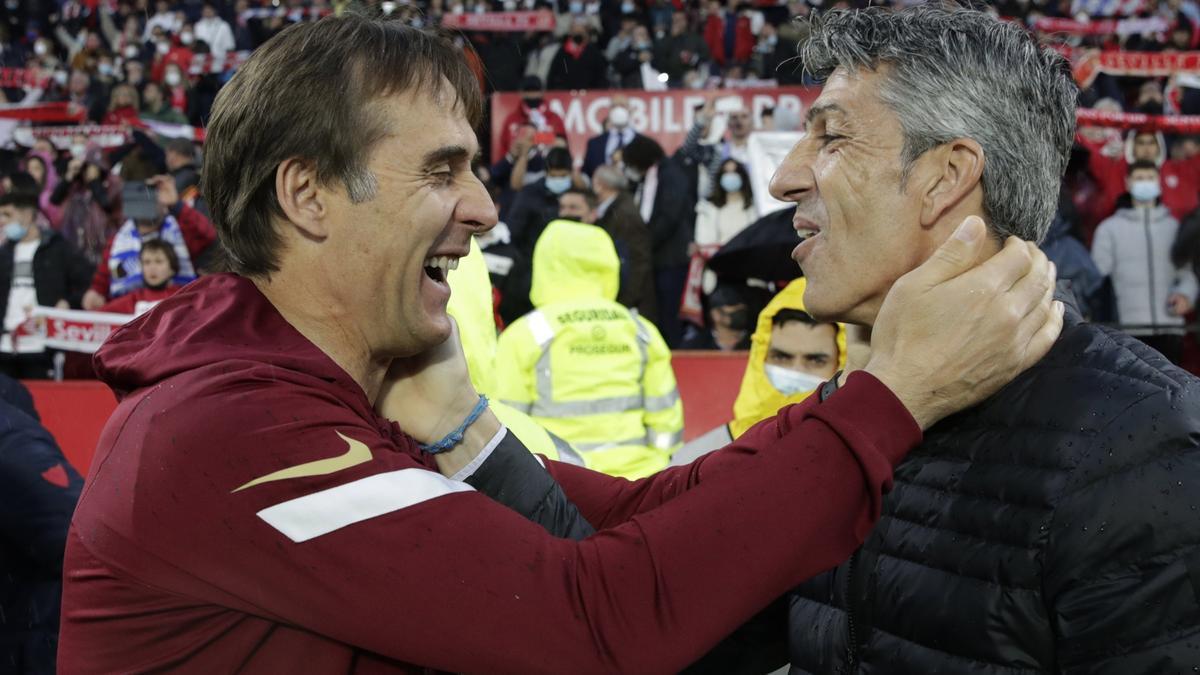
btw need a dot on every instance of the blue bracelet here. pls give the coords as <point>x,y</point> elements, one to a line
<point>455,437</point>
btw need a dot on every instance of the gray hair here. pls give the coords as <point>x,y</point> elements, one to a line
<point>610,176</point>
<point>954,72</point>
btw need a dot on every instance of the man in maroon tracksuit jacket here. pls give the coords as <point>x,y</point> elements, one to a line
<point>259,502</point>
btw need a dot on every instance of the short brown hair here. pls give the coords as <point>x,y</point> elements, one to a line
<point>151,245</point>
<point>305,93</point>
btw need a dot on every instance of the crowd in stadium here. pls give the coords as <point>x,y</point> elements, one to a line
<point>153,62</point>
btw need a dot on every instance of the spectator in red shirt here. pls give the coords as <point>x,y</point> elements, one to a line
<point>122,105</point>
<point>184,228</point>
<point>727,33</point>
<point>533,112</point>
<point>1179,176</point>
<point>160,265</point>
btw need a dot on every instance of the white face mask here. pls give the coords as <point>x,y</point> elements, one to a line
<point>163,48</point>
<point>132,52</point>
<point>78,151</point>
<point>789,381</point>
<point>186,38</point>
<point>40,48</point>
<point>618,117</point>
<point>172,78</point>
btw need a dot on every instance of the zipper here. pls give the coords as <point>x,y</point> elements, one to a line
<point>851,623</point>
<point>1150,260</point>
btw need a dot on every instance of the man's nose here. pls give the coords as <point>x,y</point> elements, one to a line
<point>794,176</point>
<point>477,210</point>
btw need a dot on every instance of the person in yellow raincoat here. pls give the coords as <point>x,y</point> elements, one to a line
<point>788,361</point>
<point>471,306</point>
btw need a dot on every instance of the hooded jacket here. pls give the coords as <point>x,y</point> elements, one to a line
<point>758,399</point>
<point>248,511</point>
<point>471,306</point>
<point>1134,248</point>
<point>584,366</point>
<point>1049,529</point>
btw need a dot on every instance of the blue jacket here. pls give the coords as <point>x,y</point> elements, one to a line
<point>38,492</point>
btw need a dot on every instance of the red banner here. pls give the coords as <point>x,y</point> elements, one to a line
<point>665,116</point>
<point>1171,124</point>
<point>1086,64</point>
<point>21,77</point>
<point>78,331</point>
<point>44,112</point>
<point>1154,24</point>
<point>501,22</point>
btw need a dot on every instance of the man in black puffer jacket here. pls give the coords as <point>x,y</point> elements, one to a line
<point>1053,528</point>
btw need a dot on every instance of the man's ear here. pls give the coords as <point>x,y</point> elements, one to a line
<point>301,197</point>
<point>952,172</point>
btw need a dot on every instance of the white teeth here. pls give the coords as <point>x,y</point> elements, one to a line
<point>444,263</point>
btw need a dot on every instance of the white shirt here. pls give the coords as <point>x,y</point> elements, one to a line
<point>216,33</point>
<point>617,139</point>
<point>22,298</point>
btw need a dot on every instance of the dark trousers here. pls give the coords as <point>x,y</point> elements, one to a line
<point>1170,346</point>
<point>668,289</point>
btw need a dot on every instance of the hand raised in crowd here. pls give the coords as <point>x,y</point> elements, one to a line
<point>73,168</point>
<point>954,331</point>
<point>91,173</point>
<point>1178,304</point>
<point>524,141</point>
<point>168,195</point>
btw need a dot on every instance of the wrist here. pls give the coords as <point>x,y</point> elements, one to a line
<point>475,438</point>
<point>919,402</point>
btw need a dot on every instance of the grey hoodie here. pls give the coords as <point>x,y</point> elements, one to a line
<point>1133,246</point>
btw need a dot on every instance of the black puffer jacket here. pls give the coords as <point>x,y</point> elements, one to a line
<point>1055,528</point>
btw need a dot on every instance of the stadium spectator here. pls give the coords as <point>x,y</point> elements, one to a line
<point>39,165</point>
<point>187,231</point>
<point>38,492</point>
<point>728,209</point>
<point>537,203</point>
<point>663,199</point>
<point>214,31</point>
<point>1180,176</point>
<point>579,63</point>
<point>37,267</point>
<point>1133,247</point>
<point>586,368</point>
<point>164,21</point>
<point>180,156</point>
<point>87,196</point>
<point>160,267</point>
<point>633,65</point>
<point>618,132</point>
<point>86,95</point>
<point>617,214</point>
<point>727,32</point>
<point>729,316</point>
<point>682,50</point>
<point>533,113</point>
<point>155,107</point>
<point>123,105</point>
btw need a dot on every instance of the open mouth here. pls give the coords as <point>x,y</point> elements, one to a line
<point>806,234</point>
<point>437,267</point>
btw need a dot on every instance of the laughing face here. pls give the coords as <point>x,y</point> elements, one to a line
<point>396,248</point>
<point>860,228</point>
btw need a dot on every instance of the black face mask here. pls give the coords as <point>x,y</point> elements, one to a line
<point>532,103</point>
<point>577,39</point>
<point>739,319</point>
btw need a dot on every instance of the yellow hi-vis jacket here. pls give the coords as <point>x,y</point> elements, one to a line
<point>471,306</point>
<point>758,399</point>
<point>585,367</point>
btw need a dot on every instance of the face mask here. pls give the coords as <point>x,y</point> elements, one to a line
<point>1145,190</point>
<point>163,48</point>
<point>60,78</point>
<point>576,7</point>
<point>15,231</point>
<point>105,69</point>
<point>186,38</point>
<point>558,184</point>
<point>533,103</point>
<point>78,151</point>
<point>618,117</point>
<point>731,182</point>
<point>510,5</point>
<point>172,78</point>
<point>577,39</point>
<point>789,382</point>
<point>628,8</point>
<point>132,52</point>
<point>641,46</point>
<point>40,48</point>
